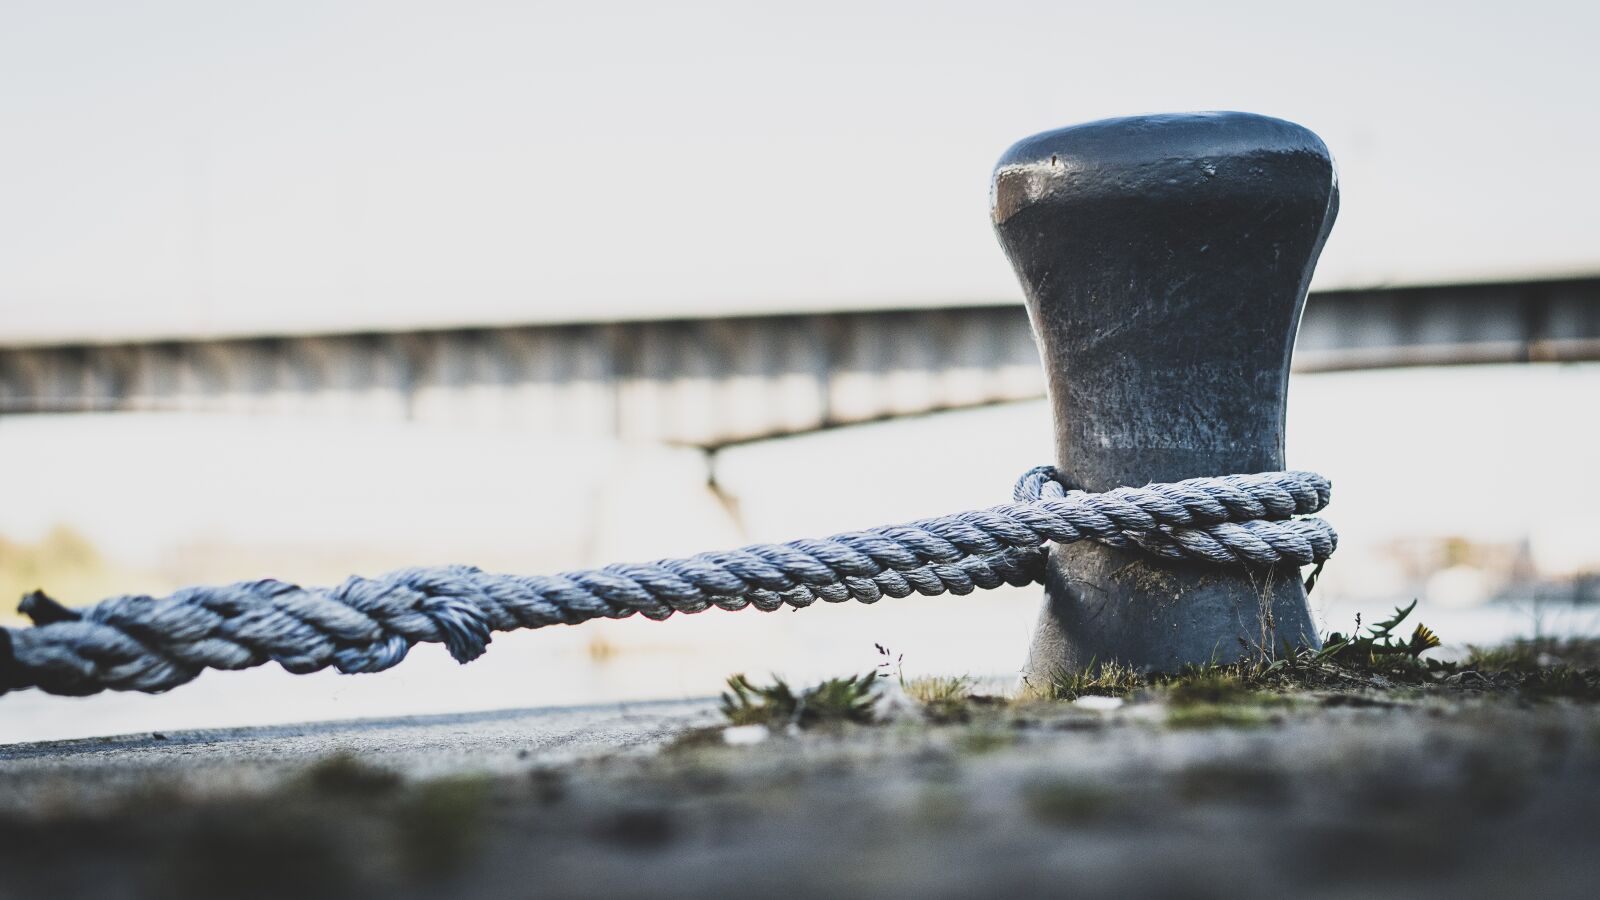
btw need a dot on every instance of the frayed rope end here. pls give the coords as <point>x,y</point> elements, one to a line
<point>45,610</point>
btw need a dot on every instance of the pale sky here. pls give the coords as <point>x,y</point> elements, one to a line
<point>201,168</point>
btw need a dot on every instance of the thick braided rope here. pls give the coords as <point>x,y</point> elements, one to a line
<point>142,643</point>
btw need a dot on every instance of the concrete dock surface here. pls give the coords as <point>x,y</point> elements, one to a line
<point>1329,794</point>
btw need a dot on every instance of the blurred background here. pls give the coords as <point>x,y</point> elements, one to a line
<point>306,289</point>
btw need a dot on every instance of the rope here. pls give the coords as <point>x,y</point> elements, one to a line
<point>143,643</point>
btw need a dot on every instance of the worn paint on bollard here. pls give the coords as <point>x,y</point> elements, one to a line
<point>1165,261</point>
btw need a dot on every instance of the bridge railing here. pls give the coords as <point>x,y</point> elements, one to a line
<point>712,382</point>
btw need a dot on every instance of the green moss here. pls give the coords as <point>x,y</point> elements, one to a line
<point>343,774</point>
<point>980,740</point>
<point>1233,781</point>
<point>549,786</point>
<point>1218,716</point>
<point>1067,802</point>
<point>640,828</point>
<point>1493,782</point>
<point>439,822</point>
<point>1195,687</point>
<point>249,849</point>
<point>940,807</point>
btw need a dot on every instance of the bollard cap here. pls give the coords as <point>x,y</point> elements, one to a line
<point>1158,156</point>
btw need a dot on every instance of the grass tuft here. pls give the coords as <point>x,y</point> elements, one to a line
<point>1103,680</point>
<point>944,698</point>
<point>938,688</point>
<point>1526,655</point>
<point>1561,681</point>
<point>837,700</point>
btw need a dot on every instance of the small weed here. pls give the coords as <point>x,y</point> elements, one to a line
<point>1358,660</point>
<point>696,739</point>
<point>1378,650</point>
<point>890,663</point>
<point>836,700</point>
<point>944,698</point>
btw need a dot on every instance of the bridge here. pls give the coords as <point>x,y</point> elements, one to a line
<point>711,382</point>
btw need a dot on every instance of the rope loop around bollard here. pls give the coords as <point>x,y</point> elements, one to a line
<point>149,644</point>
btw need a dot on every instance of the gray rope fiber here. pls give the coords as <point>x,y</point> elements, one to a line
<point>143,643</point>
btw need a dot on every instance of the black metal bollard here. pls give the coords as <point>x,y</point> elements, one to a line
<point>1165,261</point>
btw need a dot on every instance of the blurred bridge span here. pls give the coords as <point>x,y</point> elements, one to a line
<point>712,382</point>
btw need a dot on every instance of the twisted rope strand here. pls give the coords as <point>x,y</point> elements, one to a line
<point>143,643</point>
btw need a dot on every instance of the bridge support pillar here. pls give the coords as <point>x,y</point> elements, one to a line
<point>1165,261</point>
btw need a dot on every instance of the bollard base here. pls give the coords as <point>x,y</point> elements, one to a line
<point>1105,605</point>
